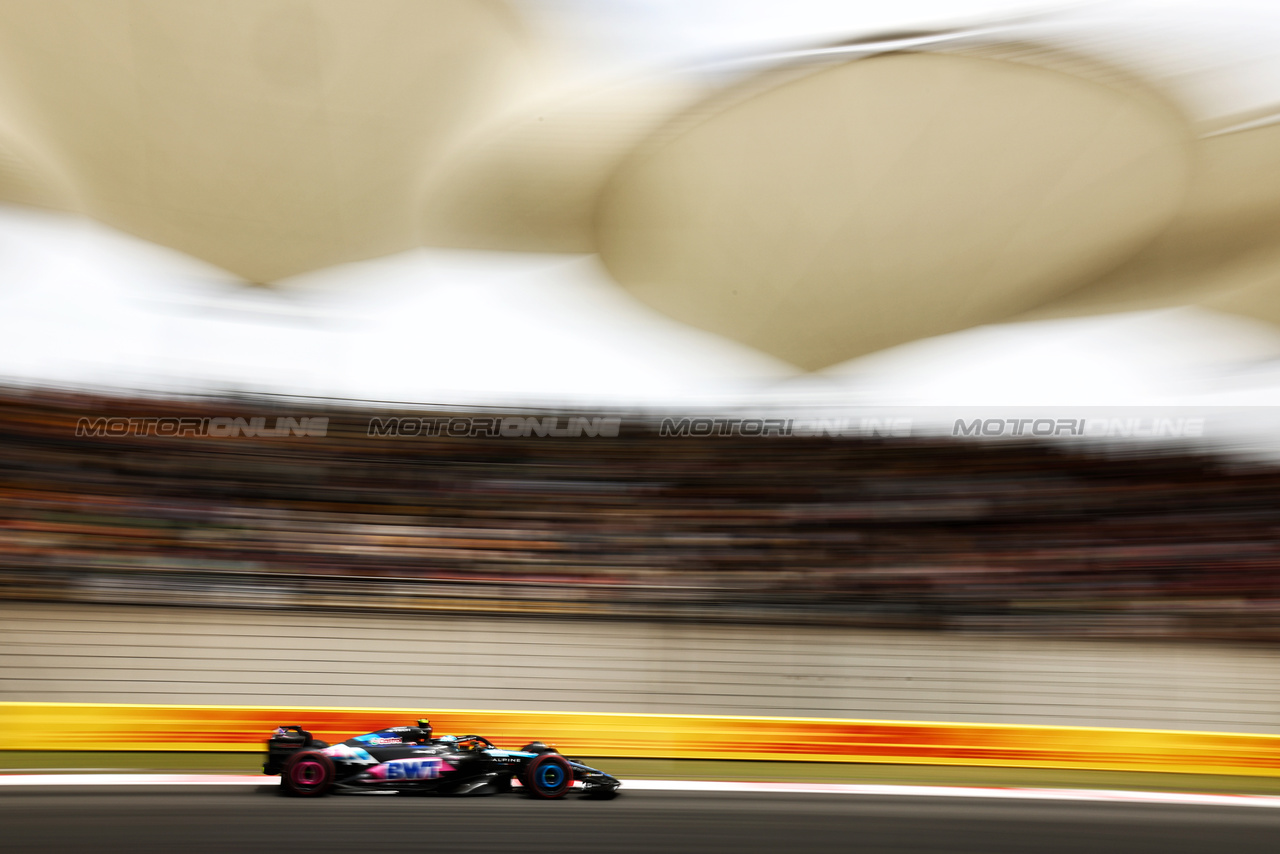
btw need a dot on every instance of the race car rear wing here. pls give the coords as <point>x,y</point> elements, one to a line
<point>283,743</point>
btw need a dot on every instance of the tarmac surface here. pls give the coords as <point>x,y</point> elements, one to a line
<point>245,819</point>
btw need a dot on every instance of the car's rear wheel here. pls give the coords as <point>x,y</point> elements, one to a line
<point>547,776</point>
<point>307,774</point>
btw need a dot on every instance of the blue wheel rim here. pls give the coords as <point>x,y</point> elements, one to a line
<point>550,776</point>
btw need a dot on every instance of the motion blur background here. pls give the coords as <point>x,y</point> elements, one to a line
<point>918,230</point>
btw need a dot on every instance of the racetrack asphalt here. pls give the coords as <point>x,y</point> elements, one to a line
<point>248,819</point>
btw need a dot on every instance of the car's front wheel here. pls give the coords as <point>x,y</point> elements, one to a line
<point>307,774</point>
<point>547,775</point>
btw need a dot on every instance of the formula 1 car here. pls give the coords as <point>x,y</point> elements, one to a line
<point>408,759</point>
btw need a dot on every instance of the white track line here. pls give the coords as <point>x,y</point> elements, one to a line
<point>959,792</point>
<point>134,780</point>
<point>1088,795</point>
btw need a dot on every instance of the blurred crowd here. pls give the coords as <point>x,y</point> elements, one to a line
<point>904,532</point>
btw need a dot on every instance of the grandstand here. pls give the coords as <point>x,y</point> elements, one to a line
<point>616,520</point>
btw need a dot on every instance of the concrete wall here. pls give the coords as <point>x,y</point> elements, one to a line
<point>127,654</point>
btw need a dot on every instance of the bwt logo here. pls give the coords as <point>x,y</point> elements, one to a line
<point>413,769</point>
<point>218,428</point>
<point>1137,428</point>
<point>508,427</point>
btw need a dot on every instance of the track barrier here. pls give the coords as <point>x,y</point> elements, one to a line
<point>127,727</point>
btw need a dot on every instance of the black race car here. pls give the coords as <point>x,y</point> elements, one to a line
<point>409,759</point>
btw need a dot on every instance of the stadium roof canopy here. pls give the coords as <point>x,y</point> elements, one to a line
<point>815,204</point>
